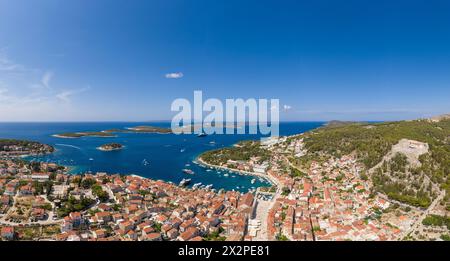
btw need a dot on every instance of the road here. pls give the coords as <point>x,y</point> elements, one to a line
<point>419,220</point>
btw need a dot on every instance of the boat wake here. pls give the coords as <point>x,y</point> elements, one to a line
<point>68,145</point>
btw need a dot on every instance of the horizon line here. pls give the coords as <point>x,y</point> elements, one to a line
<point>160,121</point>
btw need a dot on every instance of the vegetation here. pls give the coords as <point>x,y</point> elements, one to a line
<point>100,193</point>
<point>445,237</point>
<point>242,151</point>
<point>437,221</point>
<point>372,141</point>
<point>396,186</point>
<point>85,134</point>
<point>296,173</point>
<point>40,187</point>
<point>282,237</point>
<point>72,205</point>
<point>149,129</point>
<point>111,132</point>
<point>8,145</point>
<point>111,146</point>
<point>285,191</point>
<point>86,183</point>
<point>395,178</point>
<point>215,236</point>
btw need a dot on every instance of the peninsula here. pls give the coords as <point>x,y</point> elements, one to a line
<point>18,148</point>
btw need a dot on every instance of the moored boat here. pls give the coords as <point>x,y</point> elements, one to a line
<point>188,171</point>
<point>184,182</point>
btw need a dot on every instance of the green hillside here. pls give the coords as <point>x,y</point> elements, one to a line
<point>371,142</point>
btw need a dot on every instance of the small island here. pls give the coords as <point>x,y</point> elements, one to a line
<point>111,133</point>
<point>149,129</point>
<point>84,134</point>
<point>111,147</point>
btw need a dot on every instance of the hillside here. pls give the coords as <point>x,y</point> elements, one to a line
<point>402,178</point>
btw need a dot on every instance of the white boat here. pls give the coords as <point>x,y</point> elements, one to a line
<point>196,185</point>
<point>182,150</point>
<point>184,182</point>
<point>225,175</point>
<point>188,171</point>
<point>253,181</point>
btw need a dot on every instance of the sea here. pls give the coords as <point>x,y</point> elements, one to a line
<point>151,155</point>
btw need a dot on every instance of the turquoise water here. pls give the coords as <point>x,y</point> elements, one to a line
<point>166,154</point>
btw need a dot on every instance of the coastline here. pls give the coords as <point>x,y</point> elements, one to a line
<point>63,137</point>
<point>93,136</point>
<point>268,178</point>
<point>133,130</point>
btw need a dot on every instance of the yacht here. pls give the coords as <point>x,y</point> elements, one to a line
<point>184,182</point>
<point>196,185</point>
<point>188,171</point>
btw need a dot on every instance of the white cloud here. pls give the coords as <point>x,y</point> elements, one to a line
<point>32,96</point>
<point>4,97</point>
<point>46,78</point>
<point>175,75</point>
<point>66,95</point>
<point>9,66</point>
<point>287,107</point>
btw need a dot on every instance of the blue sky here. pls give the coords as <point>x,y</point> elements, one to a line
<point>108,60</point>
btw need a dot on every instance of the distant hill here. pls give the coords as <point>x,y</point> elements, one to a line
<point>440,117</point>
<point>336,123</point>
